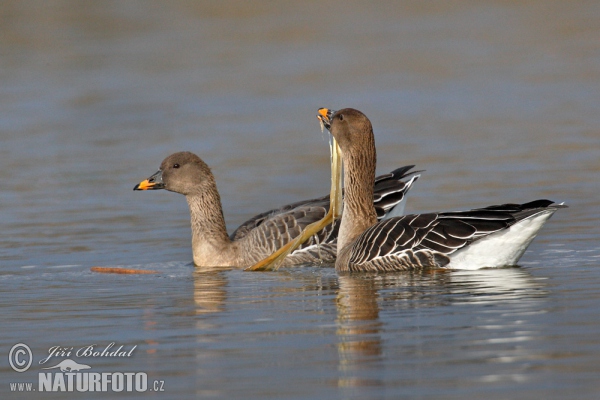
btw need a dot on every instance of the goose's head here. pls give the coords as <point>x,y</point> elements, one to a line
<point>182,172</point>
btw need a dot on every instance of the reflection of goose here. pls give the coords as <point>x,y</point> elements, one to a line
<point>209,291</point>
<point>260,236</point>
<point>358,331</point>
<point>494,236</point>
<point>418,309</point>
<point>358,314</point>
<point>494,284</point>
<point>362,302</point>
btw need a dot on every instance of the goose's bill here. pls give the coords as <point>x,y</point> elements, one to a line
<point>155,182</point>
<point>324,116</point>
<point>275,260</point>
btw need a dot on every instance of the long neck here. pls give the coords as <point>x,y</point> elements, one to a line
<point>359,179</point>
<point>210,244</point>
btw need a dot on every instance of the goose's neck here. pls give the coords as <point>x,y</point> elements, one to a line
<point>210,244</point>
<point>359,179</point>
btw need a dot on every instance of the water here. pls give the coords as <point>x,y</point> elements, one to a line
<point>497,101</point>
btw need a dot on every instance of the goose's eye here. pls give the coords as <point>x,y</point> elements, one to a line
<point>175,165</point>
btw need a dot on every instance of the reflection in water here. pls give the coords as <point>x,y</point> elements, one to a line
<point>209,290</point>
<point>358,330</point>
<point>210,295</point>
<point>358,314</point>
<point>492,285</point>
<point>359,300</point>
<point>386,324</point>
<point>363,299</point>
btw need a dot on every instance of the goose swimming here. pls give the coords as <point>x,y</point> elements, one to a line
<point>260,236</point>
<point>493,236</point>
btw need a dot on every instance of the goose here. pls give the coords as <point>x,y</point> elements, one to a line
<point>494,236</point>
<point>260,236</point>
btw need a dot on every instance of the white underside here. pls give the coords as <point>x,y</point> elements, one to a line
<point>502,248</point>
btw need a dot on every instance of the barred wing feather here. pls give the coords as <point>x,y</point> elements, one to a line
<point>430,240</point>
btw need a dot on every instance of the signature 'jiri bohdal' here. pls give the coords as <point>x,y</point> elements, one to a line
<point>92,350</point>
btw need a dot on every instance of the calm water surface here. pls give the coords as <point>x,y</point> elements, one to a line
<point>498,101</point>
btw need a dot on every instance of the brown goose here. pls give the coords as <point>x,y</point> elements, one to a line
<point>493,236</point>
<point>265,233</point>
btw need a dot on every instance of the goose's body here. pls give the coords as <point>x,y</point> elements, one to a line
<point>494,236</point>
<point>265,233</point>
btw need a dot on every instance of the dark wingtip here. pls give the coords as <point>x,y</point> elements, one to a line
<point>403,172</point>
<point>542,203</point>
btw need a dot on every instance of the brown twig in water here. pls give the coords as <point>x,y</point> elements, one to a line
<point>111,270</point>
